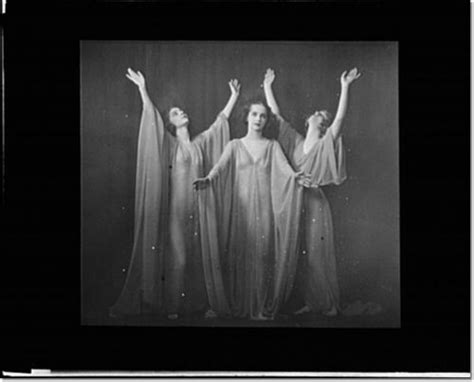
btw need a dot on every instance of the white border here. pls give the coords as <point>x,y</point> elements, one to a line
<point>203,374</point>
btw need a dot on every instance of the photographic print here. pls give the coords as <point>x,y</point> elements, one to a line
<point>244,189</point>
<point>228,183</point>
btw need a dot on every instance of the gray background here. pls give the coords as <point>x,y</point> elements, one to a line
<point>365,208</point>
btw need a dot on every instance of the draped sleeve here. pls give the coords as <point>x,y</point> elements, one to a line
<point>288,137</point>
<point>215,206</point>
<point>213,141</point>
<point>286,203</point>
<point>143,289</point>
<point>325,161</point>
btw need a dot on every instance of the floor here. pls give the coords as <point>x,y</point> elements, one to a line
<point>381,319</point>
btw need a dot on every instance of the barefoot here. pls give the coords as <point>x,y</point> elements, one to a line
<point>173,316</point>
<point>331,313</point>
<point>210,314</point>
<point>261,317</point>
<point>304,309</point>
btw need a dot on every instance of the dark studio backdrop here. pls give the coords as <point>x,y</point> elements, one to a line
<point>195,74</point>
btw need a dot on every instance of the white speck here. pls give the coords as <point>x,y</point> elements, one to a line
<point>304,252</point>
<point>190,216</point>
<point>153,247</point>
<point>126,115</point>
<point>314,220</point>
<point>123,208</point>
<point>347,198</point>
<point>123,269</point>
<point>182,294</point>
<point>263,236</point>
<point>195,233</point>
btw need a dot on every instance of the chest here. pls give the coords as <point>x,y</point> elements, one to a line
<point>186,155</point>
<point>256,150</point>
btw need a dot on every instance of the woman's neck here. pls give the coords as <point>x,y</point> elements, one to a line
<point>312,134</point>
<point>254,135</point>
<point>182,134</point>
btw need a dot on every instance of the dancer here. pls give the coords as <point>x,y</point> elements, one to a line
<point>165,272</point>
<point>249,209</point>
<point>320,154</point>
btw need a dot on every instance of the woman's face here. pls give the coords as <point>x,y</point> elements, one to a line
<point>316,119</point>
<point>178,117</point>
<point>257,117</point>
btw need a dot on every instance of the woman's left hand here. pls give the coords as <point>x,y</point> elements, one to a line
<point>303,179</point>
<point>269,77</point>
<point>201,183</point>
<point>348,78</point>
<point>234,87</point>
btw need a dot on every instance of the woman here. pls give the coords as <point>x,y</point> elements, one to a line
<point>249,213</point>
<point>321,154</point>
<point>165,273</point>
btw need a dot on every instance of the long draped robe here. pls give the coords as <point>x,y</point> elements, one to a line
<point>249,218</point>
<point>325,161</point>
<point>165,272</point>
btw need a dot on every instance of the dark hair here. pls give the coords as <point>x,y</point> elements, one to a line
<point>168,125</point>
<point>269,130</point>
<point>172,102</point>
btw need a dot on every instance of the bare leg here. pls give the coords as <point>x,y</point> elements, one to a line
<point>177,264</point>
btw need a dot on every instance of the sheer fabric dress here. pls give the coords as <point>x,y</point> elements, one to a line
<point>249,228</point>
<point>325,161</point>
<point>165,274</point>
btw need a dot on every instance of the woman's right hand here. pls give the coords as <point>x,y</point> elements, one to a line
<point>201,183</point>
<point>136,77</point>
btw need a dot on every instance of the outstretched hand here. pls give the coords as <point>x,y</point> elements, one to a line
<point>234,86</point>
<point>303,179</point>
<point>136,77</point>
<point>269,77</point>
<point>348,78</point>
<point>201,183</point>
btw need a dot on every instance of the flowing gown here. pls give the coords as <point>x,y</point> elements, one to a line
<point>249,218</point>
<point>165,272</point>
<point>326,164</point>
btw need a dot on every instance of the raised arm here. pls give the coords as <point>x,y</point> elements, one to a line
<point>288,137</point>
<point>267,88</point>
<point>235,91</point>
<point>138,79</point>
<point>346,81</point>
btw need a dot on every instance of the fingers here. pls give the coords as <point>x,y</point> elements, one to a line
<point>269,77</point>
<point>234,85</point>
<point>200,183</point>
